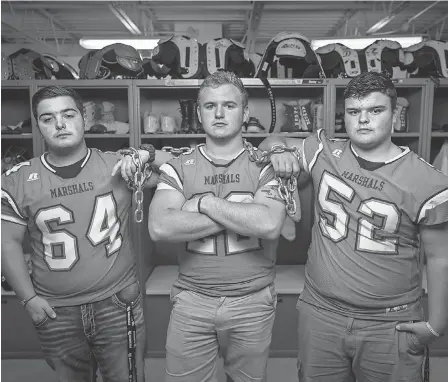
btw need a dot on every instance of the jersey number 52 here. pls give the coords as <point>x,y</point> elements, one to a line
<point>367,239</point>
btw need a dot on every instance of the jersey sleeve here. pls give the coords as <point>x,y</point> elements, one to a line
<point>431,194</point>
<point>312,146</point>
<point>267,177</point>
<point>111,157</point>
<point>13,195</point>
<point>171,176</point>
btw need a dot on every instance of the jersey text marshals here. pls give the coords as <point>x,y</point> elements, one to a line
<point>72,189</point>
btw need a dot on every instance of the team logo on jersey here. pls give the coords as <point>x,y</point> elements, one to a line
<point>189,162</point>
<point>33,176</point>
<point>337,153</point>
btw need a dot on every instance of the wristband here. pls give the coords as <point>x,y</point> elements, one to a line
<point>24,302</point>
<point>199,202</point>
<point>431,329</point>
<point>150,149</point>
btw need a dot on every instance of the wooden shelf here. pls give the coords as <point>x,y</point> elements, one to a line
<point>398,82</point>
<point>249,82</point>
<point>290,279</point>
<point>8,293</point>
<point>394,135</point>
<point>106,135</point>
<point>439,134</point>
<point>17,136</point>
<point>245,135</point>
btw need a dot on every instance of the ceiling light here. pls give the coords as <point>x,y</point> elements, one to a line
<point>137,43</point>
<point>362,42</point>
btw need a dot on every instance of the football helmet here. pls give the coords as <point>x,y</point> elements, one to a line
<point>181,55</point>
<point>339,61</point>
<point>428,58</point>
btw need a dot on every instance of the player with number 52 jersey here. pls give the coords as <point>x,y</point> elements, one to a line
<point>78,227</point>
<point>364,256</point>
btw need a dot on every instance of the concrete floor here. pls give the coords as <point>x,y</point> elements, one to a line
<point>279,370</point>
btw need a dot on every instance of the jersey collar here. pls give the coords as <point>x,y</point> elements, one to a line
<point>405,150</point>
<point>43,159</point>
<point>201,148</point>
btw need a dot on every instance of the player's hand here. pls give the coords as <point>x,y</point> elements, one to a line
<point>126,165</point>
<point>285,165</point>
<point>191,205</point>
<point>420,330</point>
<point>38,308</point>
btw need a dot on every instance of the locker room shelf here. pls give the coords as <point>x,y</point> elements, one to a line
<point>106,135</point>
<point>439,134</point>
<point>17,136</point>
<point>249,82</point>
<point>245,135</point>
<point>7,293</point>
<point>289,280</point>
<point>396,135</point>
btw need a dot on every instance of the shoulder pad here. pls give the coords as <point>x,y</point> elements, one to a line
<point>17,167</point>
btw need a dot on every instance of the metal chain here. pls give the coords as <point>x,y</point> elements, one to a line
<point>142,174</point>
<point>177,151</point>
<point>286,187</point>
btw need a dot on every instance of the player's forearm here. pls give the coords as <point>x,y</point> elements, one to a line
<point>179,226</point>
<point>437,274</point>
<point>248,219</point>
<point>15,270</point>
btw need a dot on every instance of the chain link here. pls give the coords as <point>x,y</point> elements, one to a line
<point>177,151</point>
<point>287,187</point>
<point>142,174</point>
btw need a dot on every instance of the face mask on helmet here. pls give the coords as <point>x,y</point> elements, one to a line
<point>6,67</point>
<point>428,58</point>
<point>381,57</point>
<point>153,70</point>
<point>82,64</point>
<point>181,55</point>
<point>292,51</point>
<point>59,69</point>
<point>339,61</point>
<point>226,54</point>
<point>29,65</point>
<point>115,61</point>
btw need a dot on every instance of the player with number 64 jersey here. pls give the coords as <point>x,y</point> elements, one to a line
<point>81,243</point>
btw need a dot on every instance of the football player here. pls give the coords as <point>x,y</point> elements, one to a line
<point>377,205</point>
<point>227,214</point>
<point>76,213</point>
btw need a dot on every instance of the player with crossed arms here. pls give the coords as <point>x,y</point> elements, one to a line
<point>76,212</point>
<point>376,205</point>
<point>227,213</point>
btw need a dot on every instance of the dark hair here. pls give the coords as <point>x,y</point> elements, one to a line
<point>223,77</point>
<point>369,82</point>
<point>54,91</point>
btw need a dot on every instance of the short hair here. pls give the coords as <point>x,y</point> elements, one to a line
<point>223,77</point>
<point>55,91</point>
<point>369,82</point>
